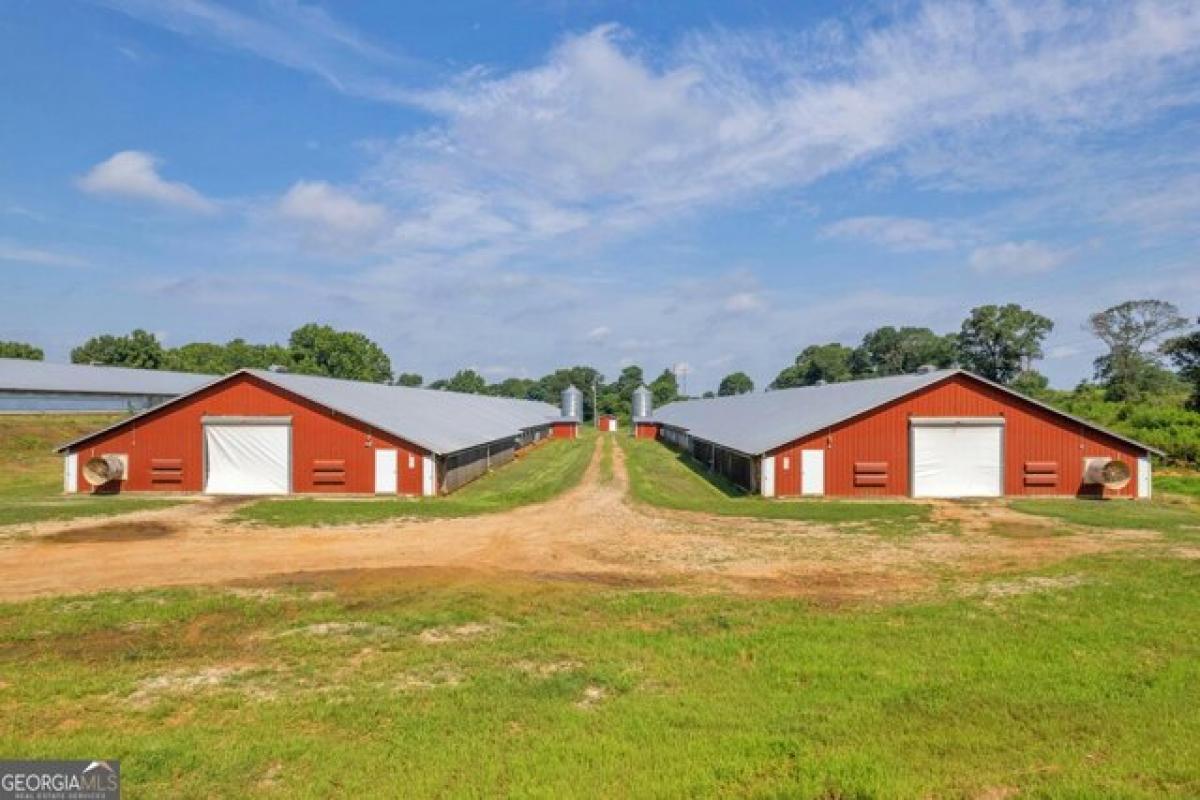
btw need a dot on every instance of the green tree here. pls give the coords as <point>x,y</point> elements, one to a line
<point>1030,382</point>
<point>735,383</point>
<point>1184,352</point>
<point>517,388</point>
<point>21,350</point>
<point>203,357</point>
<point>549,388</point>
<point>410,379</point>
<point>816,363</point>
<point>139,350</point>
<point>467,381</point>
<point>900,351</point>
<point>665,388</point>
<point>240,354</point>
<point>1132,367</point>
<point>617,397</point>
<point>220,359</point>
<point>999,342</point>
<point>321,350</point>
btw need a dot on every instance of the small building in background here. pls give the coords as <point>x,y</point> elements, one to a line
<point>607,423</point>
<point>37,387</point>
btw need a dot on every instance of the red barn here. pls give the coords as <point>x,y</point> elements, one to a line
<point>607,423</point>
<point>564,428</point>
<point>940,433</point>
<point>645,429</point>
<point>258,432</point>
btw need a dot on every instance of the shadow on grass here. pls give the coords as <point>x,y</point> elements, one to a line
<point>714,479</point>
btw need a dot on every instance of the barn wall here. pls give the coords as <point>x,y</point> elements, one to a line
<point>646,430</point>
<point>564,430</point>
<point>1033,436</point>
<point>173,437</point>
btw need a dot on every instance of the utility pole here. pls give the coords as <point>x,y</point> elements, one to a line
<point>595,409</point>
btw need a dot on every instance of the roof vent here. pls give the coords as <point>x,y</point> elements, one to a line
<point>925,369</point>
<point>277,368</point>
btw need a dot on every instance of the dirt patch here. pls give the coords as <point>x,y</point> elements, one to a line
<point>590,535</point>
<point>546,669</point>
<point>592,697</point>
<point>1033,584</point>
<point>322,629</point>
<point>178,683</point>
<point>458,633</point>
<point>110,532</point>
<point>422,681</point>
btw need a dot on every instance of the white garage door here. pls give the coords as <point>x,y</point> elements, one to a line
<point>958,457</point>
<point>247,456</point>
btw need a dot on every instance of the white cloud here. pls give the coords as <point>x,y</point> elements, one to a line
<point>743,302</point>
<point>1063,351</point>
<point>1017,258</point>
<point>599,333</point>
<point>132,173</point>
<point>604,137</point>
<point>317,202</point>
<point>287,32</point>
<point>21,254</point>
<point>902,234</point>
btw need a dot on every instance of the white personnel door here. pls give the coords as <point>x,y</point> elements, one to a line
<point>386,475</point>
<point>958,457</point>
<point>245,458</point>
<point>812,472</point>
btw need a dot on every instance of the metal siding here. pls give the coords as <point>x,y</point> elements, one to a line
<point>176,432</point>
<point>1032,434</point>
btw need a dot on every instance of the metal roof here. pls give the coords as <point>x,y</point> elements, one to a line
<point>17,374</point>
<point>753,424</point>
<point>438,421</point>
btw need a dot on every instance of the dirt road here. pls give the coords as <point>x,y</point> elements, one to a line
<point>593,532</point>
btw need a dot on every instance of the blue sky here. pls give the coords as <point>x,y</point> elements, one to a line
<point>517,187</point>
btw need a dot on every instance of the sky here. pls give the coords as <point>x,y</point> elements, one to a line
<point>519,186</point>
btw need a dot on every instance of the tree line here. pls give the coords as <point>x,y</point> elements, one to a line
<point>1143,339</point>
<point>1002,342</point>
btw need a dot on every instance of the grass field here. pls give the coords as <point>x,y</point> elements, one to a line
<point>1175,519</point>
<point>548,470</point>
<point>31,473</point>
<point>384,684</point>
<point>666,478</point>
<point>1181,484</point>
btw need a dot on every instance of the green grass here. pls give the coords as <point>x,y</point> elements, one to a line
<point>606,459</point>
<point>1172,518</point>
<point>571,690</point>
<point>546,471</point>
<point>663,477</point>
<point>31,473</point>
<point>1178,484</point>
<point>14,513</point>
